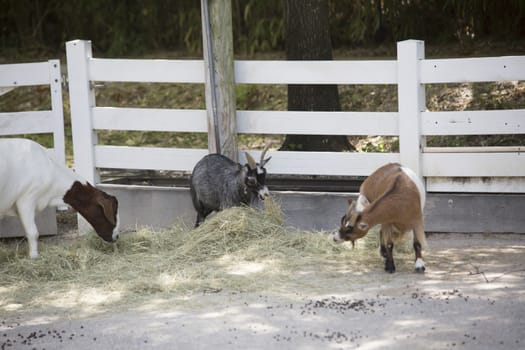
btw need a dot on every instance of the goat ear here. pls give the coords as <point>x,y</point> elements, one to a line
<point>107,208</point>
<point>363,226</point>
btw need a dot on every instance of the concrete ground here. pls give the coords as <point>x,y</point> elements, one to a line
<point>472,296</point>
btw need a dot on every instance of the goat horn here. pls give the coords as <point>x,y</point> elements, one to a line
<point>251,161</point>
<point>353,219</point>
<point>266,148</point>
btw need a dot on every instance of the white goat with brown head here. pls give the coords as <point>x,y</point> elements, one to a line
<point>30,180</point>
<point>393,197</point>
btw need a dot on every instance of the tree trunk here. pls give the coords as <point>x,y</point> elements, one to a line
<point>308,38</point>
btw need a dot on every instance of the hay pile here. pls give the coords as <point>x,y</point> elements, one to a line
<point>242,249</point>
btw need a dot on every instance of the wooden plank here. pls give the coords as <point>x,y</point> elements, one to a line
<point>18,123</point>
<point>219,74</point>
<point>6,90</point>
<point>323,163</point>
<point>149,119</point>
<point>146,70</point>
<point>57,108</point>
<point>490,149</point>
<point>474,122</point>
<point>154,158</point>
<point>473,164</point>
<point>476,184</point>
<point>24,74</point>
<point>316,72</point>
<point>81,100</point>
<point>462,70</point>
<point>411,101</point>
<point>302,163</point>
<point>317,123</point>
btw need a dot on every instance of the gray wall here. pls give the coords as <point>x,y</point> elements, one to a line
<point>46,222</point>
<point>163,206</point>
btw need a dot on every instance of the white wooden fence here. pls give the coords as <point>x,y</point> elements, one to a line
<point>35,122</point>
<point>479,169</point>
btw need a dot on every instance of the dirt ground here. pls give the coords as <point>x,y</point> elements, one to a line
<point>472,296</point>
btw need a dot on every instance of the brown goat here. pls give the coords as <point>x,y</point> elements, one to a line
<point>392,197</point>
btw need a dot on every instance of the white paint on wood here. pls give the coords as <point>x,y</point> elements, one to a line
<point>473,164</point>
<point>149,119</point>
<point>317,123</point>
<point>34,122</point>
<point>55,87</point>
<point>323,163</point>
<point>154,158</point>
<point>461,70</point>
<point>487,149</point>
<point>82,99</point>
<point>476,184</point>
<point>411,102</point>
<point>316,72</point>
<point>474,122</point>
<point>24,74</point>
<point>146,70</point>
<point>411,123</point>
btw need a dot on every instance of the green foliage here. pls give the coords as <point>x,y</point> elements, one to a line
<point>131,27</point>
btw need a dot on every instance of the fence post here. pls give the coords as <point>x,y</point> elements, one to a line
<point>220,77</point>
<point>411,102</point>
<point>55,82</point>
<point>82,99</point>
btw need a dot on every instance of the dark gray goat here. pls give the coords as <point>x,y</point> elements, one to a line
<point>217,182</point>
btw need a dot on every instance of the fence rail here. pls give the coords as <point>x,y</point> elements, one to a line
<point>487,169</point>
<point>50,121</point>
<point>36,122</point>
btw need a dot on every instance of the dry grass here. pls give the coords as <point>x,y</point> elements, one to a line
<point>239,249</point>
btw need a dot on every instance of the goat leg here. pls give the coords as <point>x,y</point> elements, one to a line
<point>420,264</point>
<point>389,257</point>
<point>26,213</point>
<point>419,233</point>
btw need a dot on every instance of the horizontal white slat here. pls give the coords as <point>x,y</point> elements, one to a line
<point>301,163</point>
<point>154,158</point>
<point>318,123</point>
<point>316,72</point>
<point>323,163</point>
<point>467,149</point>
<point>149,119</point>
<point>460,70</point>
<point>24,74</point>
<point>5,90</point>
<point>473,164</point>
<point>35,122</point>
<point>474,122</point>
<point>476,184</point>
<point>146,70</point>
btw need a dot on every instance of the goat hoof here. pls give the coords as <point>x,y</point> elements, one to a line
<point>390,268</point>
<point>420,265</point>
